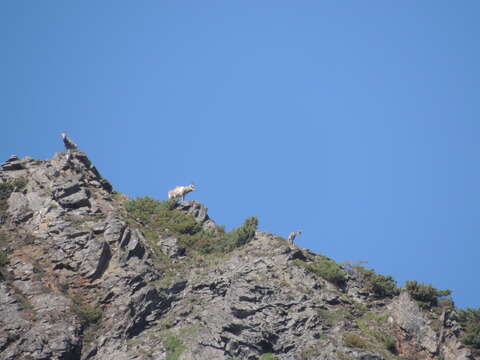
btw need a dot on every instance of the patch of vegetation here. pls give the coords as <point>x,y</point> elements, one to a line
<point>381,286</point>
<point>3,258</point>
<point>267,356</point>
<point>425,294</point>
<point>3,239</point>
<point>308,353</point>
<point>390,344</point>
<point>470,321</point>
<point>238,236</point>
<point>144,208</point>
<point>6,188</point>
<point>352,340</point>
<point>174,347</point>
<point>88,315</point>
<point>446,303</point>
<point>325,268</point>
<point>5,191</point>
<point>332,318</point>
<point>24,303</point>
<point>162,217</point>
<point>373,327</point>
<point>343,356</point>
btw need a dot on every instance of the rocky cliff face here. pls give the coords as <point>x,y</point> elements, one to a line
<point>83,280</point>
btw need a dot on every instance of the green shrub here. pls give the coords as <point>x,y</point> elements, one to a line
<point>6,188</point>
<point>390,344</point>
<point>380,285</point>
<point>20,183</point>
<point>308,353</point>
<point>174,347</point>
<point>3,262</point>
<point>144,208</point>
<point>3,258</point>
<point>161,215</point>
<point>24,303</point>
<point>239,236</point>
<point>325,268</point>
<point>342,356</point>
<point>425,294</point>
<point>158,216</point>
<point>331,318</point>
<point>267,356</point>
<point>383,286</point>
<point>352,340</point>
<point>470,321</point>
<point>87,314</point>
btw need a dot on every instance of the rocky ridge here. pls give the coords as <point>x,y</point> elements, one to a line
<point>83,280</point>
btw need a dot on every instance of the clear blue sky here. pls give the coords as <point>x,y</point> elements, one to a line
<point>356,121</point>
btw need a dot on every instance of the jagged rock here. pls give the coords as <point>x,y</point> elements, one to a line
<point>169,246</point>
<point>195,209</point>
<point>113,231</point>
<point>199,212</point>
<point>12,320</point>
<point>76,200</point>
<point>59,340</point>
<point>95,258</point>
<point>406,313</point>
<point>13,163</point>
<point>132,245</point>
<point>18,207</point>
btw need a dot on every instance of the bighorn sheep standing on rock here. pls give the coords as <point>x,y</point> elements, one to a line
<point>180,191</point>
<point>293,235</point>
<point>69,144</point>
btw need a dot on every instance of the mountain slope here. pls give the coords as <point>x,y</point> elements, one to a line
<point>89,274</point>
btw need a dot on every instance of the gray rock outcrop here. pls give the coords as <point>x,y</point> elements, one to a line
<point>84,281</point>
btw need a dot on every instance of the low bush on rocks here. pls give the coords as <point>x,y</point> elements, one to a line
<point>381,286</point>
<point>470,321</point>
<point>87,314</point>
<point>325,268</point>
<point>3,258</point>
<point>160,217</point>
<point>174,347</point>
<point>425,294</point>
<point>239,236</point>
<point>3,262</point>
<point>23,302</point>
<point>352,340</point>
<point>8,187</point>
<point>267,356</point>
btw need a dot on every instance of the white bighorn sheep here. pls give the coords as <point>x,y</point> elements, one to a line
<point>180,191</point>
<point>293,235</point>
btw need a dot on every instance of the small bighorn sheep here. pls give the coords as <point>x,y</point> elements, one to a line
<point>69,144</point>
<point>293,235</point>
<point>180,191</point>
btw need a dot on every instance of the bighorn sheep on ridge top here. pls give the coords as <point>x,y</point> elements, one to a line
<point>69,144</point>
<point>180,191</point>
<point>293,235</point>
